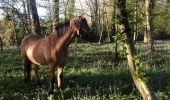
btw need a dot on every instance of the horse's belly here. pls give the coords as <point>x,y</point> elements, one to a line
<point>31,57</point>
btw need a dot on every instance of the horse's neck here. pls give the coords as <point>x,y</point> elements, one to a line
<point>66,39</point>
<point>61,41</point>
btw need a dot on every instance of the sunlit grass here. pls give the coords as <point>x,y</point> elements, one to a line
<point>88,75</point>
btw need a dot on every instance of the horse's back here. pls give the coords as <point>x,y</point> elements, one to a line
<point>28,41</point>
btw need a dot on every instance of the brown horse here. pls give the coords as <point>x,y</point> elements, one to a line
<point>52,50</point>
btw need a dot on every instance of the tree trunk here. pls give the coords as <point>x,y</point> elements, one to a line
<point>71,8</point>
<point>114,32</point>
<point>28,13</point>
<point>14,37</point>
<point>94,13</point>
<point>1,44</point>
<point>136,24</point>
<point>147,34</point>
<point>104,24</point>
<point>145,39</point>
<point>141,85</point>
<point>35,23</point>
<point>55,13</point>
<point>25,18</point>
<point>66,7</point>
<point>148,24</point>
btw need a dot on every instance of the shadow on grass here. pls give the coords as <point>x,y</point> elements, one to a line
<point>81,83</point>
<point>159,81</point>
<point>97,82</point>
<point>78,82</point>
<point>13,87</point>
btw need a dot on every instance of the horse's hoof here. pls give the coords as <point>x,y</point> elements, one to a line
<point>50,92</point>
<point>39,83</point>
<point>61,90</point>
<point>62,93</point>
<point>25,80</point>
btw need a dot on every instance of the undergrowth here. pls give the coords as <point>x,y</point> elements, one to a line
<point>88,75</point>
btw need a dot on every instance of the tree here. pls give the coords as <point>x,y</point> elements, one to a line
<point>140,84</point>
<point>94,15</point>
<point>105,18</point>
<point>114,32</point>
<point>148,24</point>
<point>136,25</point>
<point>55,13</point>
<point>35,23</point>
<point>147,34</point>
<point>1,44</point>
<point>71,8</point>
<point>8,33</point>
<point>25,17</point>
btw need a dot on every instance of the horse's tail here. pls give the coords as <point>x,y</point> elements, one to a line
<point>22,46</point>
<point>22,50</point>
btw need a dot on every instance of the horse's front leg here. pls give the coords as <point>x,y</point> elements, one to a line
<point>60,76</point>
<point>52,78</point>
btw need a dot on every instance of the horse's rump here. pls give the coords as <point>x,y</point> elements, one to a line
<point>27,41</point>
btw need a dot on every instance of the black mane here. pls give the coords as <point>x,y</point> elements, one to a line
<point>62,27</point>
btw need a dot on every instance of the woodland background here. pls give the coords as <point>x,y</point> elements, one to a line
<point>103,70</point>
<point>20,18</point>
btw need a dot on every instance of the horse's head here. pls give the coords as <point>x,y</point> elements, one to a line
<point>80,26</point>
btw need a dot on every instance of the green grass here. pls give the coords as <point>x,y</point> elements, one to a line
<point>88,75</point>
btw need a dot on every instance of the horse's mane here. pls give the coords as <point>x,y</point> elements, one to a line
<point>62,27</point>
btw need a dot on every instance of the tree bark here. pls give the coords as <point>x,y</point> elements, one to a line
<point>55,13</point>
<point>147,34</point>
<point>94,13</point>
<point>136,24</point>
<point>66,7</point>
<point>28,13</point>
<point>104,24</point>
<point>1,44</point>
<point>141,85</point>
<point>25,18</point>
<point>114,32</point>
<point>148,23</point>
<point>71,8</point>
<point>35,23</point>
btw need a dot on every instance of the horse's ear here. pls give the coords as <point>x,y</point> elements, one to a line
<point>75,24</point>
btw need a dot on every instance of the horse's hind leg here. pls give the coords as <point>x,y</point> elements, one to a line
<point>52,79</point>
<point>27,69</point>
<point>37,74</point>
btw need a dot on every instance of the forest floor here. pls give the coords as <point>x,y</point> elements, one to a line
<point>88,74</point>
